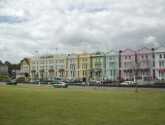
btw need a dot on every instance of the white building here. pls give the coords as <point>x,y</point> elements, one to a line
<point>60,66</point>
<point>72,66</point>
<point>112,65</point>
<point>40,65</point>
<point>48,67</point>
<point>160,63</point>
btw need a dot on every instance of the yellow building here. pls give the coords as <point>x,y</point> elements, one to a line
<point>84,68</point>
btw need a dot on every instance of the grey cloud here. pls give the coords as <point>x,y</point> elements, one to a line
<point>97,25</point>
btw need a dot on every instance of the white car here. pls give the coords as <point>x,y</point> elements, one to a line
<point>128,83</point>
<point>60,84</point>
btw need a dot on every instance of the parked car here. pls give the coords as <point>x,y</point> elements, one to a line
<point>69,81</point>
<point>95,82</point>
<point>35,81</point>
<point>128,83</point>
<point>72,81</point>
<point>107,81</point>
<point>12,82</point>
<point>45,81</point>
<point>59,84</point>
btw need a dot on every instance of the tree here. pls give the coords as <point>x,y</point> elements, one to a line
<point>12,67</point>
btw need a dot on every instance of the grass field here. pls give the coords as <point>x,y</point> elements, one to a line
<point>29,105</point>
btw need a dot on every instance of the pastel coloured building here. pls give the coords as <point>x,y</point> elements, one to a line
<point>97,66</point>
<point>84,66</point>
<point>160,63</point>
<point>112,65</point>
<point>127,64</point>
<point>145,64</point>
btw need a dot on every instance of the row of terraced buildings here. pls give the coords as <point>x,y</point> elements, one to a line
<point>144,64</point>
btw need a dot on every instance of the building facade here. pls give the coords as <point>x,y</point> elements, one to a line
<point>48,67</point>
<point>72,67</point>
<point>160,63</point>
<point>127,64</point>
<point>25,66</point>
<point>97,66</point>
<point>84,67</point>
<point>3,69</point>
<point>145,63</point>
<point>60,66</point>
<point>40,67</point>
<point>112,65</point>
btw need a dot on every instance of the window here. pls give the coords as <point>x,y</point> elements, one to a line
<point>153,63</point>
<point>160,55</point>
<point>142,56</point>
<point>160,64</point>
<point>51,67</point>
<point>125,64</point>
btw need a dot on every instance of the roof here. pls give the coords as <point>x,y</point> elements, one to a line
<point>27,60</point>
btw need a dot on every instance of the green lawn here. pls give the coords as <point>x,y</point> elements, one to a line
<point>73,106</point>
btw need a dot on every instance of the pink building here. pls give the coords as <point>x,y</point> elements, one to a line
<point>160,63</point>
<point>127,59</point>
<point>145,64</point>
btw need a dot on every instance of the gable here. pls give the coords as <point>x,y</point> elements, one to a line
<point>128,52</point>
<point>144,50</point>
<point>160,50</point>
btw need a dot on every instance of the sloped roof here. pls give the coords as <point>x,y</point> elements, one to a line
<point>160,49</point>
<point>144,50</point>
<point>27,60</point>
<point>128,51</point>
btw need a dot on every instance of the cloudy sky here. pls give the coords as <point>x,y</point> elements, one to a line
<point>27,26</point>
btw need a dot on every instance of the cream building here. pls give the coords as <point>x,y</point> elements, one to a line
<point>25,68</point>
<point>72,67</point>
<point>48,67</point>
